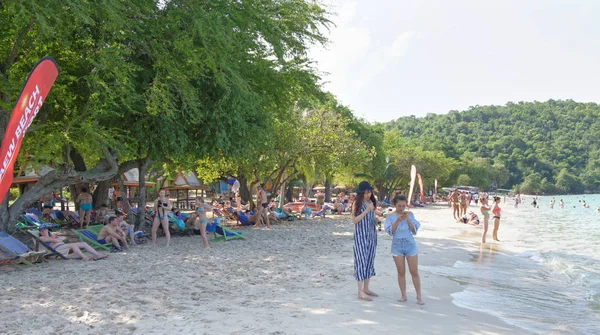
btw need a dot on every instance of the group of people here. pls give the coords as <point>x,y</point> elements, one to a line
<point>460,202</point>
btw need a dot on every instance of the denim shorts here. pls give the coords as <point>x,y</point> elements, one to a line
<point>406,247</point>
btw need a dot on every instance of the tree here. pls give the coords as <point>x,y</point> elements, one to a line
<point>568,182</point>
<point>178,82</point>
<point>463,180</point>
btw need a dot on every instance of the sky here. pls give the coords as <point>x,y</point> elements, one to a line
<point>393,58</point>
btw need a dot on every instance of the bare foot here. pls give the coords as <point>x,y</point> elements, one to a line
<point>88,259</point>
<point>403,299</point>
<point>496,240</point>
<point>364,297</point>
<point>373,294</point>
<point>101,257</point>
<point>420,302</point>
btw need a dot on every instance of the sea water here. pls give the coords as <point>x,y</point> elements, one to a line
<point>544,275</point>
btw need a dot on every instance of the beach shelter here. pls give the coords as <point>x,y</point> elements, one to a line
<point>26,177</point>
<point>131,181</point>
<point>183,183</point>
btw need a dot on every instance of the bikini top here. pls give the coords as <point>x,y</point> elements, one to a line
<point>163,204</point>
<point>496,210</point>
<point>199,209</point>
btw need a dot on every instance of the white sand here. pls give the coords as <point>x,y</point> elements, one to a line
<point>294,279</point>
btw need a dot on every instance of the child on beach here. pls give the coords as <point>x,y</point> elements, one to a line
<point>402,226</point>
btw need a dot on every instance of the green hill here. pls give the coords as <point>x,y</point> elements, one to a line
<point>550,147</point>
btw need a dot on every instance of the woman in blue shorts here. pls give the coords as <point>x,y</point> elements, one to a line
<point>402,226</point>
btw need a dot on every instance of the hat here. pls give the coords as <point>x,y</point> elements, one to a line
<point>364,186</point>
<point>42,227</point>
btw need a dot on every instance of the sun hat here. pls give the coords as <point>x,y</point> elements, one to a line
<point>364,186</point>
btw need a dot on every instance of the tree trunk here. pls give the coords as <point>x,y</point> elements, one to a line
<point>282,194</point>
<point>290,193</point>
<point>141,209</point>
<point>101,192</point>
<point>55,180</point>
<point>244,190</point>
<point>327,189</point>
<point>79,166</point>
<point>4,214</point>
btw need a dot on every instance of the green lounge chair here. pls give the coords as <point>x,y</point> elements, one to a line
<point>91,238</point>
<point>221,233</point>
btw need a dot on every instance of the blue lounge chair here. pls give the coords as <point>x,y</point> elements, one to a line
<point>17,252</point>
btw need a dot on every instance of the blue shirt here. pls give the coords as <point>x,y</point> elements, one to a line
<point>403,230</point>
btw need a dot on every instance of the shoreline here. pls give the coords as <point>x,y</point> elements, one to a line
<point>294,279</point>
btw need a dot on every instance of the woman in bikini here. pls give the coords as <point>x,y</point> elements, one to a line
<point>485,211</point>
<point>161,208</point>
<point>201,220</point>
<point>58,244</point>
<point>496,211</point>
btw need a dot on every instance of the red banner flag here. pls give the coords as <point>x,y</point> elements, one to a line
<point>29,102</point>
<point>421,187</point>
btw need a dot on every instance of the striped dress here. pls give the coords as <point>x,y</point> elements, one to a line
<point>365,245</point>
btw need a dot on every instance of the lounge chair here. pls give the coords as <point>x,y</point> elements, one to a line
<point>17,252</point>
<point>221,233</point>
<point>243,219</point>
<point>91,237</point>
<point>59,218</point>
<point>51,251</point>
<point>32,221</point>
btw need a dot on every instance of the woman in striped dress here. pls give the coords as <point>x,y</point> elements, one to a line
<point>365,239</point>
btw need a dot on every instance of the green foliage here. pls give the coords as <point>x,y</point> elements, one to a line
<point>518,140</point>
<point>568,183</point>
<point>463,180</point>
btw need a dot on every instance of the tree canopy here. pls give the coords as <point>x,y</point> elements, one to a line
<point>520,143</point>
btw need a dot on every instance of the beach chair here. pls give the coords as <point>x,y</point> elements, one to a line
<point>91,237</point>
<point>17,252</point>
<point>177,226</point>
<point>221,233</point>
<point>284,216</point>
<point>243,219</point>
<point>59,218</point>
<point>31,221</point>
<point>51,252</point>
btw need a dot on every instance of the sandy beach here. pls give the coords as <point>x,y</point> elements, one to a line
<point>294,279</point>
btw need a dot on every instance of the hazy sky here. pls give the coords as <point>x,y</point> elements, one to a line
<point>392,58</point>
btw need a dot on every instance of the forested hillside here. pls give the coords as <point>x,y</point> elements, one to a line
<point>549,147</point>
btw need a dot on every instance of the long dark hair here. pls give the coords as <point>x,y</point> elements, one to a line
<point>358,202</point>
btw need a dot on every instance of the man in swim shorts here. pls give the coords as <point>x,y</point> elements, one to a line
<point>111,233</point>
<point>85,207</point>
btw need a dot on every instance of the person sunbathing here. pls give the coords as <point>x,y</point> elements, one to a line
<point>58,244</point>
<point>112,233</point>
